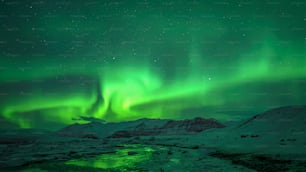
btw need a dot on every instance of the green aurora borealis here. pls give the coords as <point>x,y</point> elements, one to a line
<point>64,61</point>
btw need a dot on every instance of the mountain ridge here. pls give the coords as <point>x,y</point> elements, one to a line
<point>140,127</point>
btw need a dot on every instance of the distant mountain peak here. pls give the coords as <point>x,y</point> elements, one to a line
<point>281,116</point>
<point>170,127</point>
<point>140,127</point>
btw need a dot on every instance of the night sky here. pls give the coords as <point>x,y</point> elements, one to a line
<point>63,62</point>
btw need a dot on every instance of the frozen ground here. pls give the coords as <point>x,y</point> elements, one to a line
<point>94,156</point>
<point>271,141</point>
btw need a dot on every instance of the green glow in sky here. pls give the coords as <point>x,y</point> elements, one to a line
<point>124,61</point>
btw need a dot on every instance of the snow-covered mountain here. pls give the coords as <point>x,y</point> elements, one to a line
<point>169,127</point>
<point>277,131</point>
<point>141,127</point>
<point>97,129</point>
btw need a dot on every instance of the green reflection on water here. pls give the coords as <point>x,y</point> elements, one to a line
<point>118,160</point>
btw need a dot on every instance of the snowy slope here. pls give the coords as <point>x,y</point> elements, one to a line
<point>280,131</point>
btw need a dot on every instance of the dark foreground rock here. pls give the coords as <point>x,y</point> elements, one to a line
<point>261,162</point>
